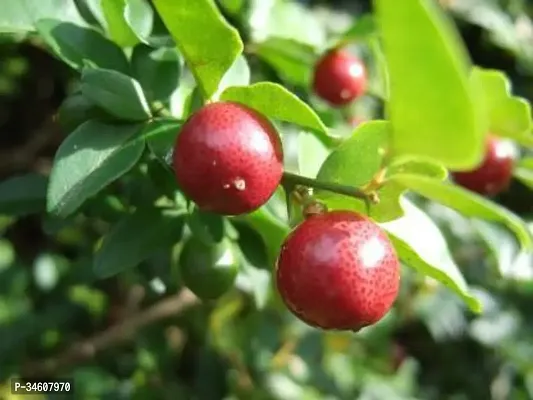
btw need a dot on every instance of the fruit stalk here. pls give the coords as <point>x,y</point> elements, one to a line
<point>292,180</point>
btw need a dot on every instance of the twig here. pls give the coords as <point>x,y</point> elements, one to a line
<point>123,331</point>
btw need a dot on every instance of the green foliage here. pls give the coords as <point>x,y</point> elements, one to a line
<point>278,103</point>
<point>128,21</point>
<point>92,157</point>
<point>136,237</point>
<point>509,116</point>
<point>78,46</point>
<point>20,16</point>
<point>116,93</point>
<point>193,26</point>
<point>429,95</point>
<point>157,70</point>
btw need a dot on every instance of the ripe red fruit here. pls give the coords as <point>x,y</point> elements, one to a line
<point>338,270</point>
<point>228,158</point>
<point>339,77</point>
<point>494,174</point>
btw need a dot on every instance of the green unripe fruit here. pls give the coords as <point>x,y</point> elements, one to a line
<point>208,271</point>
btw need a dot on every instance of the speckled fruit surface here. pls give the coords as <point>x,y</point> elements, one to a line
<point>494,174</point>
<point>228,158</point>
<point>338,271</point>
<point>339,77</point>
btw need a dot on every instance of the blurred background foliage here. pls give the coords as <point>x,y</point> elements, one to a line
<point>428,347</point>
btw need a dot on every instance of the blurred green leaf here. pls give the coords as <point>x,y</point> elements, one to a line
<point>157,70</point>
<point>118,28</point>
<point>421,245</point>
<point>523,171</point>
<point>256,282</point>
<point>311,154</point>
<point>160,135</point>
<point>93,156</point>
<point>128,21</point>
<point>272,230</point>
<point>432,108</point>
<point>292,60</point>
<point>363,27</point>
<point>509,116</point>
<point>118,94</point>
<point>276,102</point>
<point>135,238</point>
<point>467,203</point>
<point>207,227</point>
<point>23,194</point>
<point>237,75</point>
<point>506,250</point>
<point>78,46</point>
<point>21,15</point>
<point>77,109</point>
<point>358,160</point>
<point>208,43</point>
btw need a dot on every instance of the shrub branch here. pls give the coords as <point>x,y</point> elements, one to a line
<point>123,331</point>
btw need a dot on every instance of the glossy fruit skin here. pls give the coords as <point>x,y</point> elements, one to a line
<point>228,159</point>
<point>339,77</point>
<point>494,174</point>
<point>208,271</point>
<point>338,271</point>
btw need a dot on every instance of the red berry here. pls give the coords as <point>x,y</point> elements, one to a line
<point>494,174</point>
<point>339,77</point>
<point>228,158</point>
<point>338,270</point>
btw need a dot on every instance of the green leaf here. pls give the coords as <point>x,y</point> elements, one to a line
<point>272,230</point>
<point>359,159</point>
<point>276,102</point>
<point>431,106</point>
<point>135,238</point>
<point>237,75</point>
<point>467,203</point>
<point>501,243</point>
<point>116,93</point>
<point>255,281</point>
<point>93,156</point>
<point>22,195</point>
<point>157,70</point>
<point>140,17</point>
<point>77,109</point>
<point>208,43</point>
<point>78,46</point>
<point>128,21</point>
<point>207,227</point>
<point>509,116</point>
<point>292,60</point>
<point>421,245</point>
<point>21,15</point>
<point>118,28</point>
<point>181,98</point>
<point>524,172</point>
<point>311,154</point>
<point>363,27</point>
<point>160,135</point>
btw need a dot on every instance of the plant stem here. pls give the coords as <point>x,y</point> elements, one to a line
<point>291,180</point>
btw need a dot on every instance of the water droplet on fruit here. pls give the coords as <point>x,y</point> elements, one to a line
<point>345,94</point>
<point>226,186</point>
<point>239,184</point>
